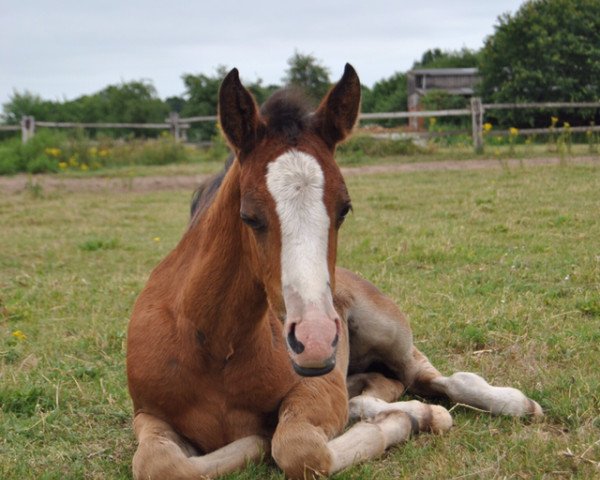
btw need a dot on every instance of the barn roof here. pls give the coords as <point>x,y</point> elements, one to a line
<point>438,72</point>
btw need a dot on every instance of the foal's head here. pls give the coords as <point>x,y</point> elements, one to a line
<point>293,201</point>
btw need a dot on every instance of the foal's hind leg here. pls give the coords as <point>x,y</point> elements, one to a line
<point>374,385</point>
<point>163,454</point>
<point>467,388</point>
<point>379,333</point>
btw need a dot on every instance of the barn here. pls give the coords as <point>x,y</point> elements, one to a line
<point>455,81</point>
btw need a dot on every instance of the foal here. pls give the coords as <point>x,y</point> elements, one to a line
<point>241,342</point>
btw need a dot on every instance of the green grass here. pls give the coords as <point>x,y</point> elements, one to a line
<point>499,272</point>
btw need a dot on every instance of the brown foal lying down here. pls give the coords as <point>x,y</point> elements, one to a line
<point>248,341</point>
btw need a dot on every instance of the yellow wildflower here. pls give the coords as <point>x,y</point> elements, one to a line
<point>513,131</point>
<point>73,161</point>
<point>19,335</point>
<point>93,151</point>
<point>566,125</point>
<point>63,165</point>
<point>432,121</point>
<point>52,152</point>
<point>84,167</point>
<point>103,152</point>
<point>554,121</point>
<point>156,239</point>
<point>487,127</point>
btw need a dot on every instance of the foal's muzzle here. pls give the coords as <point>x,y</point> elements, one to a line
<point>296,347</point>
<point>312,343</point>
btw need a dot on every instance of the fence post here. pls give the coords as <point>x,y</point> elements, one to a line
<point>27,128</point>
<point>477,123</point>
<point>414,123</point>
<point>175,130</point>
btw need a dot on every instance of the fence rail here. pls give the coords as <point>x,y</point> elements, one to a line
<point>416,114</point>
<point>147,126</point>
<point>539,106</point>
<point>179,126</point>
<point>544,131</point>
<point>204,118</point>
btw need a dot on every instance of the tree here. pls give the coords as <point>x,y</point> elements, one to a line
<point>201,98</point>
<point>387,95</point>
<point>549,50</point>
<point>131,102</point>
<point>307,73</point>
<point>175,103</point>
<point>135,102</point>
<point>26,103</point>
<point>437,58</point>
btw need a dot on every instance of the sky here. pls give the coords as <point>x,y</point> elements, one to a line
<point>64,49</point>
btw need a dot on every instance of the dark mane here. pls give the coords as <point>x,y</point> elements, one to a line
<point>287,113</point>
<point>204,195</point>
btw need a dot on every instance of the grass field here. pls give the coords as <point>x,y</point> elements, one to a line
<point>499,272</point>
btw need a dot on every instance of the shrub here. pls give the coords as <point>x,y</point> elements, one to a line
<point>51,151</point>
<point>33,157</point>
<point>365,145</point>
<point>10,161</point>
<point>162,151</point>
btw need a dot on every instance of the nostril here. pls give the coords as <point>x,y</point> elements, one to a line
<point>296,345</point>
<point>337,332</point>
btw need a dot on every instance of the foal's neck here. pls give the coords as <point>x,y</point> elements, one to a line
<point>221,296</point>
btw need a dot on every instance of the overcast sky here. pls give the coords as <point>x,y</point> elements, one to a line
<point>63,49</point>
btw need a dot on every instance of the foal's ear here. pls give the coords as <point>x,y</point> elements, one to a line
<point>339,110</point>
<point>238,113</point>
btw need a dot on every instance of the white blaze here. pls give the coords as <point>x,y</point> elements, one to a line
<point>295,180</point>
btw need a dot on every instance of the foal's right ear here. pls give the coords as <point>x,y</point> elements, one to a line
<point>238,113</point>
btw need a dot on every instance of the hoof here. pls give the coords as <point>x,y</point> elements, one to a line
<point>441,420</point>
<point>536,410</point>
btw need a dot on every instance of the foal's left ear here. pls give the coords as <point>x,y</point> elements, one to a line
<point>339,110</point>
<point>238,113</point>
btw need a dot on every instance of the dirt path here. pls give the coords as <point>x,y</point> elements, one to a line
<point>48,183</point>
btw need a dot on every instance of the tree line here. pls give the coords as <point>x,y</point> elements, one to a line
<point>549,50</point>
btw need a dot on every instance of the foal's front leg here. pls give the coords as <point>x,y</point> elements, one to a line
<point>162,454</point>
<point>315,411</point>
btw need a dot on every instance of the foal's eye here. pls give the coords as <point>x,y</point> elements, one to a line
<point>343,212</point>
<point>253,222</point>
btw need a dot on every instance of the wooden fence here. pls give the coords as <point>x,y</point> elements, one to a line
<point>179,126</point>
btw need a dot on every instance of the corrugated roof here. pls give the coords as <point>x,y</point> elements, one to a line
<point>443,72</point>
